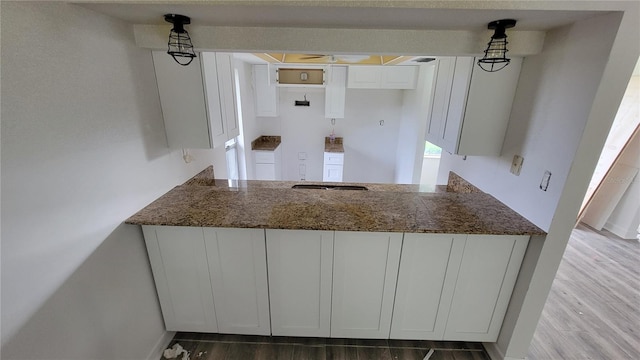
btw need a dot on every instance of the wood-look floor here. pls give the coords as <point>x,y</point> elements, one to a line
<point>239,347</point>
<point>593,309</point>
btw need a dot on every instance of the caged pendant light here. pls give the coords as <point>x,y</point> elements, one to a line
<point>180,46</point>
<point>495,56</point>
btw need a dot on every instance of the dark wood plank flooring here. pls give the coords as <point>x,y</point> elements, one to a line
<point>593,309</point>
<point>239,347</point>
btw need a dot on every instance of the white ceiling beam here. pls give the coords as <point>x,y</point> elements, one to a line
<point>344,41</point>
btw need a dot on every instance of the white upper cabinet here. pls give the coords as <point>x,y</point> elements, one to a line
<point>335,92</point>
<point>266,91</point>
<point>471,107</point>
<point>300,266</point>
<point>382,77</point>
<point>198,101</point>
<point>364,282</point>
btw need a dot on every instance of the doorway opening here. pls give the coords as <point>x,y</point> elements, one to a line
<point>430,164</point>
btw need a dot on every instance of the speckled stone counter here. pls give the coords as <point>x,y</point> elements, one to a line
<point>274,205</point>
<point>335,146</point>
<point>266,142</point>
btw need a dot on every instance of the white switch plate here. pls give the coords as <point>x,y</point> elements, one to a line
<point>516,165</point>
<point>302,156</point>
<point>302,169</point>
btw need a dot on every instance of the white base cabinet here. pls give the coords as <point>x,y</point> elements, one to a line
<point>426,281</point>
<point>334,284</point>
<point>238,271</point>
<point>179,264</point>
<point>333,167</point>
<point>300,264</point>
<point>364,283</point>
<point>488,272</point>
<point>210,279</point>
<point>268,164</point>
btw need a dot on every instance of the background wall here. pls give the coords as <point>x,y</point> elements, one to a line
<point>625,217</point>
<point>83,148</point>
<point>370,149</point>
<point>554,97</point>
<point>416,106</point>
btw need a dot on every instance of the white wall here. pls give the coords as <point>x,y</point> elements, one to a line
<point>251,129</point>
<point>553,99</point>
<point>83,148</point>
<point>415,113</point>
<point>612,39</point>
<point>625,218</point>
<point>370,149</point>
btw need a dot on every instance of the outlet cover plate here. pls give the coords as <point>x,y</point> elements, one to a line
<point>516,165</point>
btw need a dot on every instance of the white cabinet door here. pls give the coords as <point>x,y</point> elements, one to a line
<point>266,92</point>
<point>488,109</point>
<point>364,282</point>
<point>217,127</point>
<point>198,101</point>
<point>182,99</point>
<point>268,164</point>
<point>238,271</point>
<point>364,77</point>
<point>470,107</point>
<point>428,269</point>
<point>300,264</point>
<point>488,272</point>
<point>179,264</point>
<point>332,173</point>
<point>450,131</point>
<point>335,92</point>
<point>440,101</point>
<point>399,77</point>
<point>227,91</point>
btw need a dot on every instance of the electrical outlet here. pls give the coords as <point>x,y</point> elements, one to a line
<point>544,184</point>
<point>516,165</point>
<point>302,169</point>
<point>302,156</point>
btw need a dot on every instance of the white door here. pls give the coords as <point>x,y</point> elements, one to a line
<point>490,265</point>
<point>426,280</point>
<point>238,270</point>
<point>179,264</point>
<point>300,264</point>
<point>364,282</point>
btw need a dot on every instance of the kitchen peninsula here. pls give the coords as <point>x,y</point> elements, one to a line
<point>394,261</point>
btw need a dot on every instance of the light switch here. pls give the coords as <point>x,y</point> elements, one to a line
<point>302,169</point>
<point>516,165</point>
<point>302,156</point>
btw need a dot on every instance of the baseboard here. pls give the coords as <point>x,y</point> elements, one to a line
<point>161,344</point>
<point>628,234</point>
<point>495,353</point>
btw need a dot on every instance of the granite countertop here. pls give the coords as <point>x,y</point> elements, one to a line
<point>266,143</point>
<point>389,208</point>
<point>335,146</point>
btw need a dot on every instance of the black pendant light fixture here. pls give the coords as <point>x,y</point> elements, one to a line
<point>495,56</point>
<point>180,46</point>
